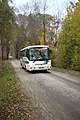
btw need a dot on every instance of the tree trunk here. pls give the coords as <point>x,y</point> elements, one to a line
<point>0,52</point>
<point>1,56</point>
<point>8,50</point>
<point>0,49</point>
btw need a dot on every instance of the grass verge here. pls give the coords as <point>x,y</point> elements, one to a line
<point>71,72</point>
<point>13,104</point>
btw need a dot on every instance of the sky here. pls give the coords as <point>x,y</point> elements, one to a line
<point>54,6</point>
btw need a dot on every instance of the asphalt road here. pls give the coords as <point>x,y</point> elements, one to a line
<point>56,94</point>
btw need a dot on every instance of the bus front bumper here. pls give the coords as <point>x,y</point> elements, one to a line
<point>39,68</point>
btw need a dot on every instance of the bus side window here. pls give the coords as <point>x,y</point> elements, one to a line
<point>21,54</point>
<point>27,53</point>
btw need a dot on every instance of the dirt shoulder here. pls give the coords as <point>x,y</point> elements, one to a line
<point>14,104</point>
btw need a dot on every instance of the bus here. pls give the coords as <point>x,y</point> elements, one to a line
<point>35,57</point>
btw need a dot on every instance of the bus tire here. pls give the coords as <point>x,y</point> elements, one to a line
<point>25,67</point>
<point>21,65</point>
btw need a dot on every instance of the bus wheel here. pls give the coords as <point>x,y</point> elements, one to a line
<point>25,67</point>
<point>22,66</point>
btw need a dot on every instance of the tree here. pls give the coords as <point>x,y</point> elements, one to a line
<point>31,29</point>
<point>6,25</point>
<point>69,40</point>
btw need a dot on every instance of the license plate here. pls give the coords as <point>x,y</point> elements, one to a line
<point>41,67</point>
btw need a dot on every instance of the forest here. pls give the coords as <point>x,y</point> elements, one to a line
<point>33,27</point>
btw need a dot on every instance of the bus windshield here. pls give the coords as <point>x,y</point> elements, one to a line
<point>39,53</point>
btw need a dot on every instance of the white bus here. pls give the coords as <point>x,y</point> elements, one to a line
<point>35,57</point>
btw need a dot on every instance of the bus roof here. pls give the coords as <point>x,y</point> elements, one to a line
<point>28,47</point>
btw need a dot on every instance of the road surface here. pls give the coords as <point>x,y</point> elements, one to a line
<point>56,94</point>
